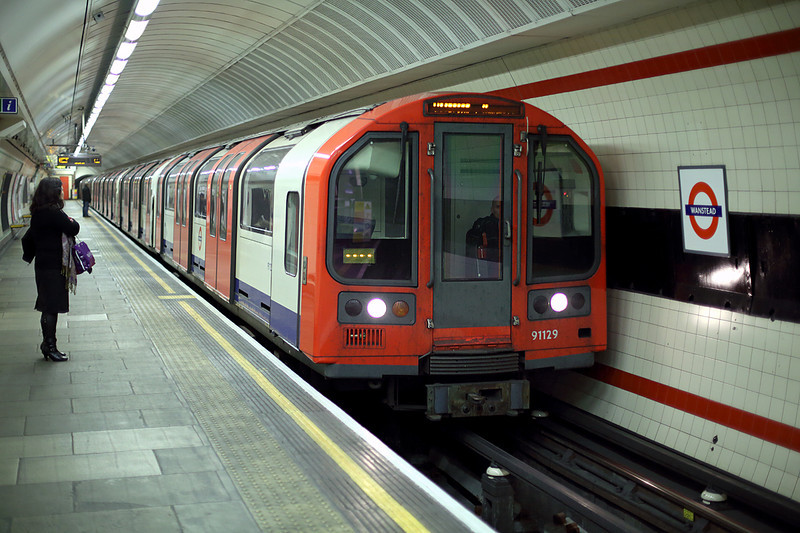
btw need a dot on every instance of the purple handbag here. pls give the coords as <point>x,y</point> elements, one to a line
<point>84,260</point>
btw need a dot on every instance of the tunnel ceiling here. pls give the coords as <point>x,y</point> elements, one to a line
<point>206,69</point>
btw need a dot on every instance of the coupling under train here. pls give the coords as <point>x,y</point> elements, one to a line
<point>439,247</point>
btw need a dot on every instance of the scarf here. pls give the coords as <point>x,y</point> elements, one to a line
<point>68,263</point>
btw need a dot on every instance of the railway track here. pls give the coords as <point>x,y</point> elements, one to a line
<point>551,475</point>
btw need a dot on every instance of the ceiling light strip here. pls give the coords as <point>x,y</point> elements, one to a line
<point>133,32</point>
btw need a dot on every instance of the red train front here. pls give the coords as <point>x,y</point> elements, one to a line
<point>439,247</point>
<point>456,242</point>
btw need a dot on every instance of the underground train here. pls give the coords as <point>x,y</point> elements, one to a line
<point>438,247</point>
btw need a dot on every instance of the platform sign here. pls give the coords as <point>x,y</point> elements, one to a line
<point>704,210</point>
<point>80,161</point>
<point>8,106</point>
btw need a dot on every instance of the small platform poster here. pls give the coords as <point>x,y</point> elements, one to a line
<point>704,210</point>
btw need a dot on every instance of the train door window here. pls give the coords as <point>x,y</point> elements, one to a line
<point>172,178</point>
<point>223,211</point>
<point>136,184</point>
<point>224,193</point>
<point>180,198</point>
<point>472,207</point>
<point>201,187</point>
<point>212,204</point>
<point>258,186</point>
<point>186,175</point>
<point>180,203</point>
<point>371,212</point>
<point>214,193</point>
<point>144,205</point>
<point>292,233</point>
<point>564,236</point>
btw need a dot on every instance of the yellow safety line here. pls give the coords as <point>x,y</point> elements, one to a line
<point>142,263</point>
<point>371,488</point>
<point>177,297</point>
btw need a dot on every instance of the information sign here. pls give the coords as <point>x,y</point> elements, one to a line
<point>8,106</point>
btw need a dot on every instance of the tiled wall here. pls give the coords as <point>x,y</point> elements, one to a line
<point>750,364</point>
<point>730,367</point>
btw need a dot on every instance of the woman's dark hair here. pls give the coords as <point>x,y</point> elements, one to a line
<point>47,194</point>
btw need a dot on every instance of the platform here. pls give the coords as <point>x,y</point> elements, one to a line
<point>168,418</point>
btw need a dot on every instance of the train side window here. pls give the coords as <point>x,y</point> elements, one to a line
<point>258,187</point>
<point>371,212</point>
<point>564,236</point>
<point>292,233</point>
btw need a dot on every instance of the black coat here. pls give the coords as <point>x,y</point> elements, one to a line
<point>86,194</point>
<point>483,239</point>
<point>42,242</point>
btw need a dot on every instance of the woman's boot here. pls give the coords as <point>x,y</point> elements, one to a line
<point>49,350</point>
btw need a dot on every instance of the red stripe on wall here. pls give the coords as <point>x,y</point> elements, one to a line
<point>772,44</point>
<point>744,421</point>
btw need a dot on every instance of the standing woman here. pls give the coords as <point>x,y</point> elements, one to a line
<point>48,240</point>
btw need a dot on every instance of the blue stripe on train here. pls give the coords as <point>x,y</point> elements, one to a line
<point>281,320</point>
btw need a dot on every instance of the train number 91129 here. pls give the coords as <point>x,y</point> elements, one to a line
<point>544,334</point>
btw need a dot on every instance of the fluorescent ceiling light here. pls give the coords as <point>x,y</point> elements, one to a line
<point>145,7</point>
<point>118,66</point>
<point>135,29</point>
<point>125,49</point>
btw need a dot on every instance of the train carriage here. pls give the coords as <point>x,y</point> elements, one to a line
<point>440,246</point>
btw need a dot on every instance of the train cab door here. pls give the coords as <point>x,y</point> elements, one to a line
<point>472,245</point>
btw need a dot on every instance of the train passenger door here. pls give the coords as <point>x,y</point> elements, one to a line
<point>473,186</point>
<point>217,224</point>
<point>145,209</point>
<point>199,190</point>
<point>183,220</point>
<point>224,256</point>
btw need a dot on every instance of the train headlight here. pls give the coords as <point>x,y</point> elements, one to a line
<point>376,308</point>
<point>400,308</point>
<point>559,302</point>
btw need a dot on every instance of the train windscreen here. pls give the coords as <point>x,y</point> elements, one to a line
<point>564,236</point>
<point>372,236</point>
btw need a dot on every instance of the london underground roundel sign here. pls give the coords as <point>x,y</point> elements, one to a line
<point>704,210</point>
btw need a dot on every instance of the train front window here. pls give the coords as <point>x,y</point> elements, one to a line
<point>563,222</point>
<point>372,236</point>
